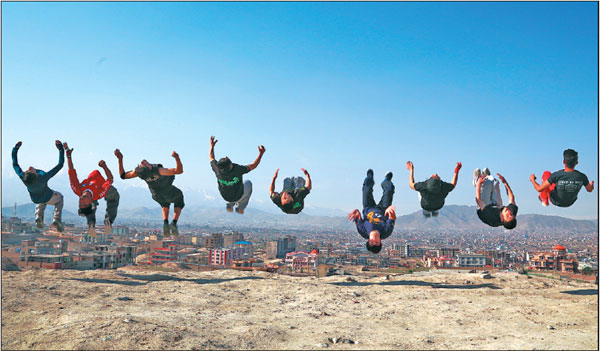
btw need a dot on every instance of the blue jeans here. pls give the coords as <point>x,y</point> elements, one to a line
<point>386,197</point>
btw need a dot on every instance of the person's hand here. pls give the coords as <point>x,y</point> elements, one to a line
<point>304,171</point>
<point>592,182</point>
<point>501,178</point>
<point>276,173</point>
<point>213,141</point>
<point>18,144</point>
<point>354,215</point>
<point>409,166</point>
<point>175,154</point>
<point>532,177</point>
<point>458,167</point>
<point>481,179</point>
<point>261,149</point>
<point>58,144</point>
<point>118,154</point>
<point>390,212</point>
<point>102,163</point>
<point>69,151</point>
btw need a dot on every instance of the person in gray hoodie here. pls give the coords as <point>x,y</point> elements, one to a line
<point>36,182</point>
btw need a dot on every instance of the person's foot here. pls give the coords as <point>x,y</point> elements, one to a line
<point>39,223</point>
<point>92,230</point>
<point>369,173</point>
<point>486,171</point>
<point>107,227</point>
<point>173,228</point>
<point>229,207</point>
<point>543,200</point>
<point>435,213</point>
<point>389,175</point>
<point>239,210</point>
<point>476,175</point>
<point>58,225</point>
<point>426,214</point>
<point>166,230</point>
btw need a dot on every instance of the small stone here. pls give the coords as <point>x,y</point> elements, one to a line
<point>350,279</point>
<point>486,276</point>
<point>107,338</point>
<point>335,340</point>
<point>292,327</point>
<point>51,288</point>
<point>550,327</point>
<point>429,341</point>
<point>350,341</point>
<point>467,282</point>
<point>127,320</point>
<point>356,294</point>
<point>124,298</point>
<point>323,345</point>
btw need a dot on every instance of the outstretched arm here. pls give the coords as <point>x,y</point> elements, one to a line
<point>261,151</point>
<point>480,203</point>
<point>211,152</point>
<point>172,171</point>
<point>69,152</point>
<point>539,187</point>
<point>511,196</point>
<point>590,186</point>
<point>61,160</point>
<point>456,170</point>
<point>16,166</point>
<point>411,175</point>
<point>124,175</point>
<point>109,175</point>
<point>272,187</point>
<point>308,181</point>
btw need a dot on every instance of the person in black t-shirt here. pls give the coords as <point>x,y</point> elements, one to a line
<point>232,187</point>
<point>291,198</point>
<point>561,187</point>
<point>489,202</point>
<point>160,183</point>
<point>433,191</point>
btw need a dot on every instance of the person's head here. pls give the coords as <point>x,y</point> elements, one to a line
<point>85,200</point>
<point>434,184</point>
<point>143,169</point>
<point>29,176</point>
<point>570,158</point>
<point>224,164</point>
<point>508,219</point>
<point>286,198</point>
<point>374,242</point>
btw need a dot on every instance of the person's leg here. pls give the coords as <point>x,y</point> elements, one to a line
<point>165,214</point>
<point>39,215</point>
<point>176,196</point>
<point>544,195</point>
<point>388,194</point>
<point>288,184</point>
<point>487,188</point>
<point>496,196</point>
<point>57,201</point>
<point>112,205</point>
<point>243,201</point>
<point>299,182</point>
<point>367,191</point>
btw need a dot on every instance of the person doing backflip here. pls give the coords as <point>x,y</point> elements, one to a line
<point>561,187</point>
<point>489,201</point>
<point>36,182</point>
<point>230,179</point>
<point>92,189</point>
<point>378,219</point>
<point>433,191</point>
<point>160,182</point>
<point>291,198</point>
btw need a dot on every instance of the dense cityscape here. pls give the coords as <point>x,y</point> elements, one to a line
<point>298,251</point>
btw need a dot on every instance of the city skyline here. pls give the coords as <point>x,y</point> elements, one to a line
<point>488,84</point>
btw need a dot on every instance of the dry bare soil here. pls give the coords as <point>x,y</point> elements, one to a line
<point>131,309</point>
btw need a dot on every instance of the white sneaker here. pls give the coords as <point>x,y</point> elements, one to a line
<point>486,171</point>
<point>476,175</point>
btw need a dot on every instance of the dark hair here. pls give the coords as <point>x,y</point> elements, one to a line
<point>511,225</point>
<point>29,178</point>
<point>84,211</point>
<point>570,157</point>
<point>374,248</point>
<point>288,207</point>
<point>142,172</point>
<point>224,163</point>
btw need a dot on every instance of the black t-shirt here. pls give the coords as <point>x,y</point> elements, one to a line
<point>298,196</point>
<point>568,185</point>
<point>157,182</point>
<point>433,201</point>
<point>231,182</point>
<point>490,214</point>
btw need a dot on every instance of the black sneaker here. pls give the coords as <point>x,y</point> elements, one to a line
<point>58,225</point>
<point>173,228</point>
<point>39,223</point>
<point>166,230</point>
<point>369,173</point>
<point>389,175</point>
<point>435,213</point>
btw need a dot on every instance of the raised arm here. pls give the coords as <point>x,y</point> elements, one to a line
<point>456,170</point>
<point>211,152</point>
<point>511,196</point>
<point>61,160</point>
<point>172,171</point>
<point>69,152</point>
<point>261,151</point>
<point>272,187</point>
<point>308,181</point>
<point>109,175</point>
<point>16,166</point>
<point>411,175</point>
<point>539,187</point>
<point>590,186</point>
<point>122,173</point>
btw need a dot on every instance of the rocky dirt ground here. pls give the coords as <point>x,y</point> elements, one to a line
<point>129,309</point>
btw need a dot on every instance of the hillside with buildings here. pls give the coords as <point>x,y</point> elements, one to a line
<point>131,308</point>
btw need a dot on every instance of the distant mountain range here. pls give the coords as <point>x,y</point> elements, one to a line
<point>451,217</point>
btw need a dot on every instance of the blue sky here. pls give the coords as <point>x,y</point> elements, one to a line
<point>335,88</point>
